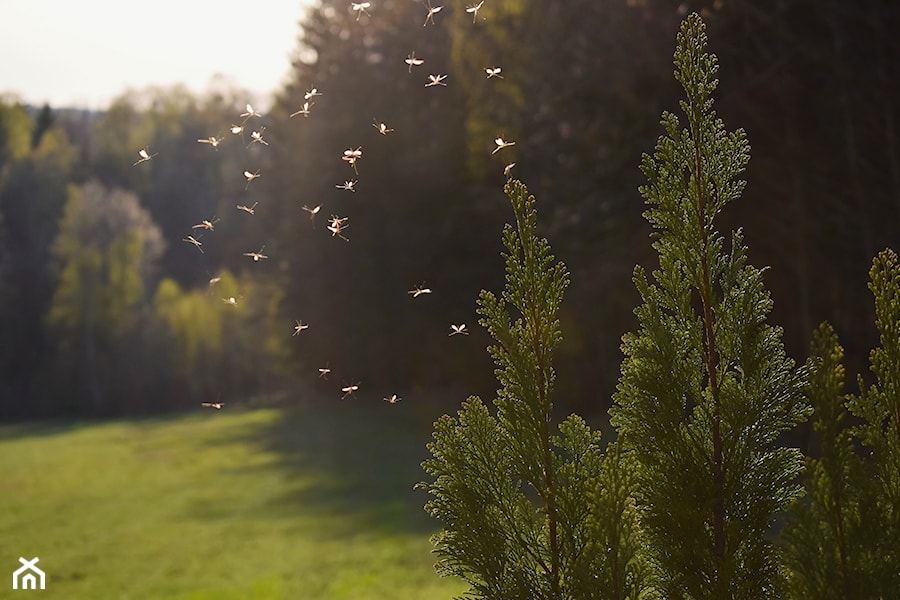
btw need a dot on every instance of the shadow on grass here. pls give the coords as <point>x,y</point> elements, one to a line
<point>51,427</point>
<point>28,429</point>
<point>356,460</point>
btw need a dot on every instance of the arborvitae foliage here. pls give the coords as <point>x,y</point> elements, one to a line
<point>822,533</point>
<point>878,406</point>
<point>843,541</point>
<point>706,387</point>
<point>530,513</point>
<point>620,567</point>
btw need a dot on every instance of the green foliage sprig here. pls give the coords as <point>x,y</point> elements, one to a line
<point>878,405</point>
<point>706,386</point>
<point>822,533</point>
<point>529,512</point>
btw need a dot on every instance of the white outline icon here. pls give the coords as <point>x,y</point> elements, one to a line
<point>29,581</point>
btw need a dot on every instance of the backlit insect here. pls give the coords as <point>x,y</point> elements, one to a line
<point>205,224</point>
<point>212,141</point>
<point>436,80</point>
<point>494,72</point>
<point>248,209</point>
<point>236,129</point>
<point>299,327</point>
<point>456,329</point>
<point>250,177</point>
<point>323,372</point>
<point>250,113</point>
<point>501,144</point>
<point>256,136</point>
<point>347,185</point>
<point>360,8</point>
<point>304,110</point>
<point>312,213</point>
<point>214,280</point>
<point>381,127</point>
<point>145,156</point>
<point>393,399</point>
<point>432,10</point>
<point>215,405</point>
<point>257,256</point>
<point>336,225</point>
<point>351,155</point>
<point>348,390</point>
<point>412,61</point>
<point>508,169</point>
<point>419,290</point>
<point>192,240</point>
<point>231,301</point>
<point>312,93</point>
<point>474,10</point>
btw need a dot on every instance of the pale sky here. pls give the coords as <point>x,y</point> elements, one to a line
<point>85,52</point>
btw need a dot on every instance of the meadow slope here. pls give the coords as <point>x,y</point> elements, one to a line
<point>311,502</point>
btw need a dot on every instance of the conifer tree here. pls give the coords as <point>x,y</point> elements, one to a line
<point>530,513</point>
<point>843,541</point>
<point>706,387</point>
<point>878,406</point>
<point>822,533</point>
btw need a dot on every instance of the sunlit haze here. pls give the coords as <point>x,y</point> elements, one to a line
<point>84,53</point>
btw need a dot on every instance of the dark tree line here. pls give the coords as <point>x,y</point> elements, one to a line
<point>813,83</point>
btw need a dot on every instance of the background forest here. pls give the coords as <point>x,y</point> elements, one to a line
<point>105,310</point>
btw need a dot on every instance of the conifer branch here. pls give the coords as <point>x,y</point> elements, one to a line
<point>706,390</point>
<point>536,558</point>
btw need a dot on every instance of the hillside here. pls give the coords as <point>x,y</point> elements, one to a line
<point>306,502</point>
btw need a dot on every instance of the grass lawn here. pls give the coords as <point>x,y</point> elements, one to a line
<point>301,503</point>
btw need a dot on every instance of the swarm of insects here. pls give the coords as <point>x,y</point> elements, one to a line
<point>336,225</point>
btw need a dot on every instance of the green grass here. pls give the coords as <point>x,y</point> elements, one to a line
<point>302,503</point>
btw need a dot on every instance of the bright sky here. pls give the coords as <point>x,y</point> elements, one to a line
<point>85,52</point>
